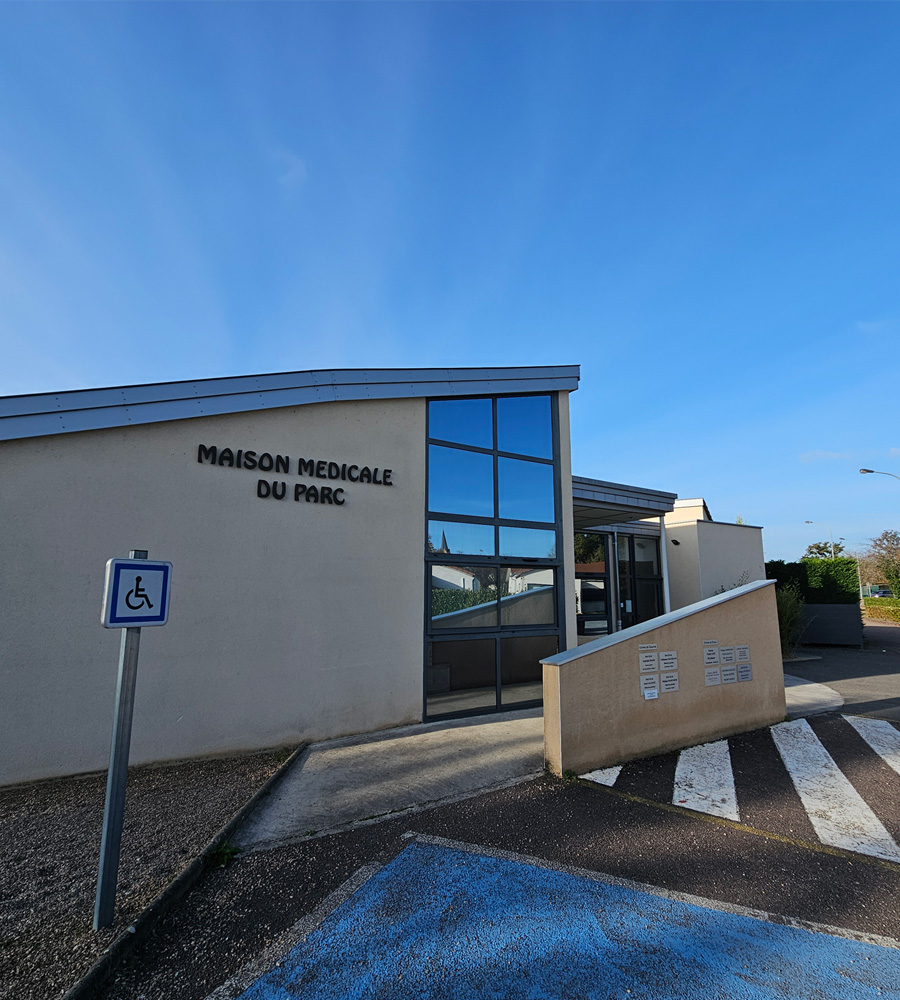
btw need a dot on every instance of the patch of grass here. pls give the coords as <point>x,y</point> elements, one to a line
<point>570,776</point>
<point>223,855</point>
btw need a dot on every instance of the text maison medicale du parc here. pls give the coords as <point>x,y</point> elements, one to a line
<point>308,468</point>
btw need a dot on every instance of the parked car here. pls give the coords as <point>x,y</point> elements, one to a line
<point>882,592</point>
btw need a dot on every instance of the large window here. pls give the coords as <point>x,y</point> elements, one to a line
<point>493,600</point>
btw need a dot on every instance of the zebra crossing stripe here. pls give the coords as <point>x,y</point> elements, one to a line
<point>603,776</point>
<point>881,737</point>
<point>836,810</point>
<point>704,780</point>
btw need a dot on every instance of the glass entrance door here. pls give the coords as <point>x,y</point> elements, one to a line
<point>592,601</point>
<point>640,580</point>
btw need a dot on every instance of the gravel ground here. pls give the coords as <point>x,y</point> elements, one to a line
<point>50,845</point>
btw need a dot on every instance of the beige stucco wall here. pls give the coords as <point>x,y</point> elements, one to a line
<point>711,556</point>
<point>595,714</point>
<point>730,554</point>
<point>567,572</point>
<point>289,621</point>
<point>683,564</point>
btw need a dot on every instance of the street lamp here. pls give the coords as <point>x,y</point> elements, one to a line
<point>877,473</point>
<point>830,535</point>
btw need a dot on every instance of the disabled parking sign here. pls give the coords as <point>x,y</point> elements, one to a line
<point>136,593</point>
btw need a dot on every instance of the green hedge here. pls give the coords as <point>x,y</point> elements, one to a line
<point>886,609</point>
<point>821,581</point>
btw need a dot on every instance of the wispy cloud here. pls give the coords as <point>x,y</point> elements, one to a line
<point>894,452</point>
<point>823,456</point>
<point>292,170</point>
<point>870,326</point>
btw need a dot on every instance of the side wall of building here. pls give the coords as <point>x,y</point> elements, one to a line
<point>730,556</point>
<point>290,620</point>
<point>569,637</point>
<point>683,564</point>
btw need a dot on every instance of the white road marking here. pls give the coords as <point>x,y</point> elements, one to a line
<point>603,776</point>
<point>704,780</point>
<point>881,737</point>
<point>836,810</point>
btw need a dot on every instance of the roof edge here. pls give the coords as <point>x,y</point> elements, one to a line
<point>41,414</point>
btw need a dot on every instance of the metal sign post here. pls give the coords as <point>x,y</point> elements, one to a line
<point>136,594</point>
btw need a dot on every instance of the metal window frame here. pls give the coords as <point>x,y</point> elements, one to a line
<point>499,631</point>
<point>611,606</point>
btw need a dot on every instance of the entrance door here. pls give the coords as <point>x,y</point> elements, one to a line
<point>592,600</point>
<point>640,580</point>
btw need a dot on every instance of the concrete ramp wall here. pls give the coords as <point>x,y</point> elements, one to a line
<point>703,672</point>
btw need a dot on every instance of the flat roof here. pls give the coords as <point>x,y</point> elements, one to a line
<point>40,414</point>
<point>597,503</point>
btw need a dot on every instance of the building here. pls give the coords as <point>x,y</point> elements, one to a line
<point>707,557</point>
<point>352,550</point>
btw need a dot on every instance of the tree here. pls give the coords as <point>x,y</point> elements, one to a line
<point>589,548</point>
<point>886,551</point>
<point>869,570</point>
<point>822,550</point>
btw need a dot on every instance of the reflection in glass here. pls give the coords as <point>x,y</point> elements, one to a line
<point>527,595</point>
<point>460,482</point>
<point>626,603</point>
<point>521,673</point>
<point>526,490</point>
<point>591,596</point>
<point>593,628</point>
<point>462,421</point>
<point>527,543</point>
<point>590,552</point>
<point>649,599</point>
<point>463,597</point>
<point>461,675</point>
<point>461,538</point>
<point>524,425</point>
<point>646,557</point>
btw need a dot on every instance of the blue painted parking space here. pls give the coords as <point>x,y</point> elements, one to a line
<point>439,922</point>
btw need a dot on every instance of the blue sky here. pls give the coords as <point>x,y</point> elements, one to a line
<point>699,203</point>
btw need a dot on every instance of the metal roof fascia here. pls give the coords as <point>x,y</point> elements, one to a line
<point>593,486</point>
<point>94,409</point>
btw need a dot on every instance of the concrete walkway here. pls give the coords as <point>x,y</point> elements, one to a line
<point>345,781</point>
<point>338,783</point>
<point>807,698</point>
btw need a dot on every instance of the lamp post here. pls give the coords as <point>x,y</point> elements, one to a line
<point>878,473</point>
<point>830,535</point>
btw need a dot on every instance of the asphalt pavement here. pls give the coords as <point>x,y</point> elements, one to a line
<point>389,902</point>
<point>866,679</point>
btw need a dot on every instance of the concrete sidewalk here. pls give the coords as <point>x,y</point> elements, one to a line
<point>341,782</point>
<point>338,783</point>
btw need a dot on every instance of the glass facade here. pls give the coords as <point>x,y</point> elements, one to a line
<point>493,499</point>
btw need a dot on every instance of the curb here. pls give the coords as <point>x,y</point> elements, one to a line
<point>99,974</point>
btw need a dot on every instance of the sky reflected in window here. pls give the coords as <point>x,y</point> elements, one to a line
<point>524,425</point>
<point>462,421</point>
<point>526,490</point>
<point>460,482</point>
<point>460,538</point>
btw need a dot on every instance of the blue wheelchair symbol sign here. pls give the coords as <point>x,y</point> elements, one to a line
<point>136,593</point>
